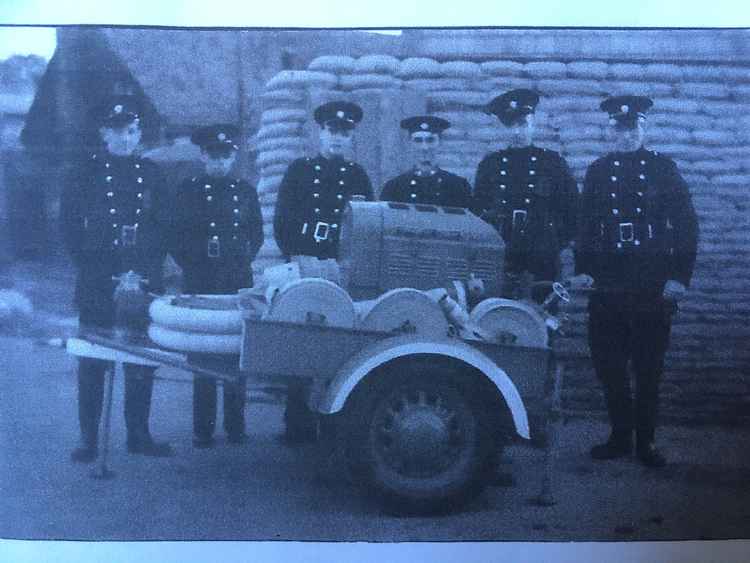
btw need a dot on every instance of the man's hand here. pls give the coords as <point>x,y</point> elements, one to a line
<point>581,281</point>
<point>674,291</point>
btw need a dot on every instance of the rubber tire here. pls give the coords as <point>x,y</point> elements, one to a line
<point>454,487</point>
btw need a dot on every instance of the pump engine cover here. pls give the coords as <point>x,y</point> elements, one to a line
<point>387,245</point>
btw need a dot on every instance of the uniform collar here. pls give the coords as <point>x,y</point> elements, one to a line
<point>527,148</point>
<point>416,171</point>
<point>333,159</point>
<point>639,151</point>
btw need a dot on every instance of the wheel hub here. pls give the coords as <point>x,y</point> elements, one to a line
<point>417,435</point>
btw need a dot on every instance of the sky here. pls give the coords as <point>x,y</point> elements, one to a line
<point>26,41</point>
<point>347,13</point>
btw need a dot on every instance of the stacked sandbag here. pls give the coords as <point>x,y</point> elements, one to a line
<point>197,323</point>
<point>700,119</point>
<point>282,138</point>
<point>371,72</point>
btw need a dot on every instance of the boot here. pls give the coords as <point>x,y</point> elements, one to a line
<point>650,456</point>
<point>85,453</point>
<point>145,445</point>
<point>613,448</point>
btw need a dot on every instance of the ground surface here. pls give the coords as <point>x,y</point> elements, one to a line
<point>266,491</point>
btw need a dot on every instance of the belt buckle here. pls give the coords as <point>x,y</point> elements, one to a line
<point>627,232</point>
<point>519,219</point>
<point>129,235</point>
<point>214,248</point>
<point>322,230</point>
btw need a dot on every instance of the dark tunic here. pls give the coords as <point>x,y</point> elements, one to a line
<point>530,196</point>
<point>312,198</point>
<point>113,219</point>
<point>638,227</point>
<point>436,187</point>
<point>217,231</point>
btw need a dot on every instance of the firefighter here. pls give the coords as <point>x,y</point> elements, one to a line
<point>217,232</point>
<point>637,243</point>
<point>312,197</point>
<point>112,219</point>
<point>528,194</point>
<point>426,182</point>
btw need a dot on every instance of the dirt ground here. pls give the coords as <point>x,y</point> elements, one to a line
<point>264,490</point>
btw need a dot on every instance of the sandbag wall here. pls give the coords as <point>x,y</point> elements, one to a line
<point>701,119</point>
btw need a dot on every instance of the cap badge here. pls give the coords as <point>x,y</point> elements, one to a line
<point>340,114</point>
<point>624,108</point>
<point>424,126</point>
<point>117,108</point>
<point>221,136</point>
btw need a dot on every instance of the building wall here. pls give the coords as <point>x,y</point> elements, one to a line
<point>700,83</point>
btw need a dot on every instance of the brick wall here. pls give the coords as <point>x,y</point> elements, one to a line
<point>700,119</point>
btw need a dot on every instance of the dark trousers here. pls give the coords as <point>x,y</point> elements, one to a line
<point>204,397</point>
<point>300,421</point>
<point>629,328</point>
<point>139,382</point>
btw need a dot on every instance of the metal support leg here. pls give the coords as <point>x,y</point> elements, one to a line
<point>554,420</point>
<point>101,471</point>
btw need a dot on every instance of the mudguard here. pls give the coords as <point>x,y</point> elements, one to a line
<point>369,358</point>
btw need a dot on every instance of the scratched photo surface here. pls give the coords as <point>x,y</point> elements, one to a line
<point>388,371</point>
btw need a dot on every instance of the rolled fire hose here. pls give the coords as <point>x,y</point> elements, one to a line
<point>405,309</point>
<point>312,301</point>
<point>194,341</point>
<point>501,318</point>
<point>204,314</point>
